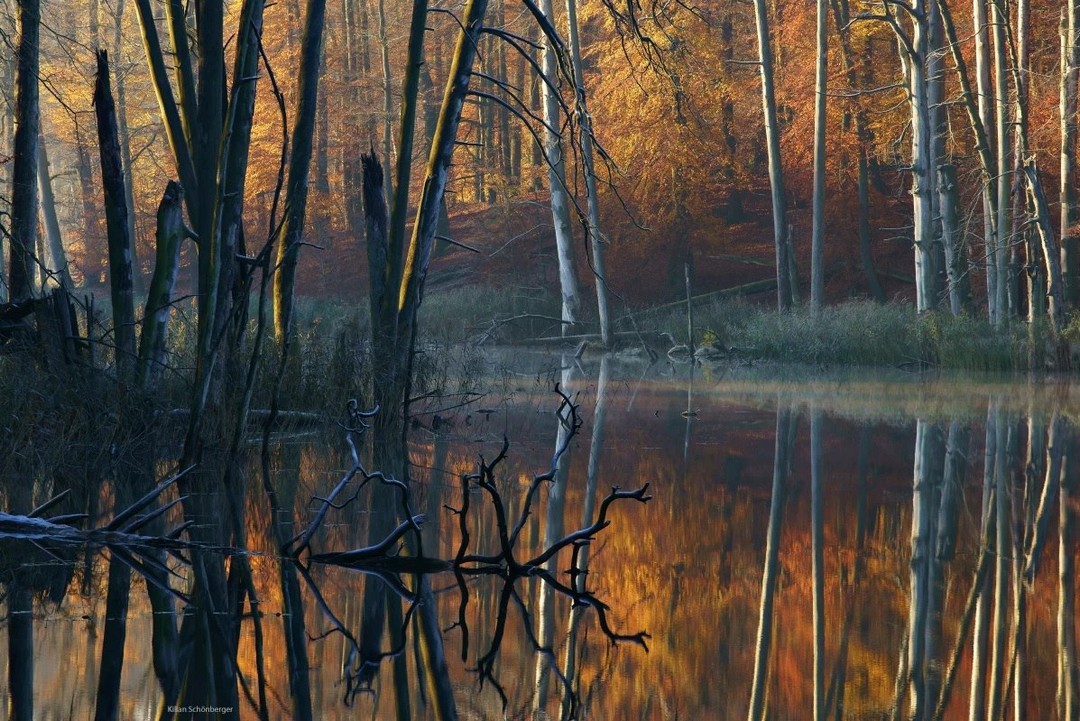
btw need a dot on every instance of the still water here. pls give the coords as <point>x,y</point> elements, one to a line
<point>825,547</point>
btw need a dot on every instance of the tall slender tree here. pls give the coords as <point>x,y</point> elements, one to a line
<point>817,241</point>
<point>596,240</point>
<point>781,239</point>
<point>556,173</point>
<point>1070,209</point>
<point>24,196</point>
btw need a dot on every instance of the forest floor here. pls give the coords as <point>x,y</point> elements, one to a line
<point>514,248</point>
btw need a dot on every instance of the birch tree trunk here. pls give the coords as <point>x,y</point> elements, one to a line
<point>1001,122</point>
<point>556,171</point>
<point>596,240</point>
<point>956,266</point>
<point>985,95</point>
<point>776,174</point>
<point>922,159</point>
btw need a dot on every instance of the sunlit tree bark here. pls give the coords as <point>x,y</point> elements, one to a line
<point>781,239</point>
<point>817,242</point>
<point>57,264</point>
<point>296,194</point>
<point>556,172</point>
<point>596,240</point>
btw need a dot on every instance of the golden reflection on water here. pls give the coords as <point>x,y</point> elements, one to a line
<point>687,568</point>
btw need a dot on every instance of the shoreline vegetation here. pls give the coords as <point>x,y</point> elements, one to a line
<point>855,333</point>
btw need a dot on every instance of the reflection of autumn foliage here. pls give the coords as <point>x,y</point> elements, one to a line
<point>687,567</point>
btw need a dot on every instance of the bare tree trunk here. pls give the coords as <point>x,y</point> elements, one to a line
<point>781,238</point>
<point>596,240</point>
<point>560,202</point>
<point>388,98</point>
<point>1001,122</point>
<point>124,138</point>
<point>1070,211</point>
<point>116,215</point>
<point>985,103</point>
<point>922,158</point>
<point>170,233</point>
<point>817,243</point>
<point>57,264</point>
<point>956,266</point>
<point>288,249</point>
<point>24,165</point>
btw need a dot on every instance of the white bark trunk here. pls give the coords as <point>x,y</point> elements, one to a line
<point>596,240</point>
<point>985,98</point>
<point>560,205</point>
<point>921,166</point>
<point>1001,121</point>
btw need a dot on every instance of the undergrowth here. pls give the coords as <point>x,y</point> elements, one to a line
<point>860,333</point>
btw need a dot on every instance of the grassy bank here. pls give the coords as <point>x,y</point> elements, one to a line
<point>863,333</point>
<point>854,333</point>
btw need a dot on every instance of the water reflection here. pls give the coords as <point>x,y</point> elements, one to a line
<point>801,559</point>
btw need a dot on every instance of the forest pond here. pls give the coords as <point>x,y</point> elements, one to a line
<point>863,548</point>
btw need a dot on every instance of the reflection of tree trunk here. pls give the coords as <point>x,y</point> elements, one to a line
<point>20,602</point>
<point>998,664</point>
<point>981,634</point>
<point>107,705</point>
<point>293,617</point>
<point>1068,707</point>
<point>785,431</point>
<point>592,474</point>
<point>926,587</point>
<point>817,534</point>
<point>554,529</point>
<point>838,681</point>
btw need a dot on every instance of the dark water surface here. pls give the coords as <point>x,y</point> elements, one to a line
<point>827,547</point>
